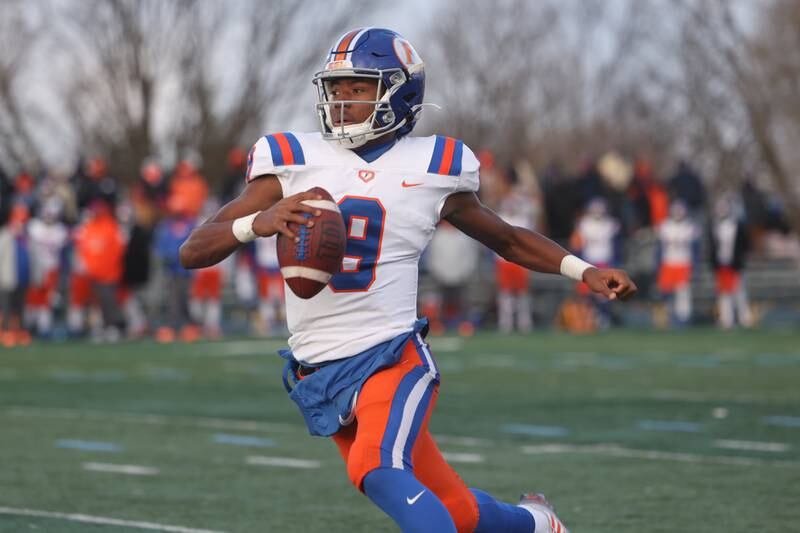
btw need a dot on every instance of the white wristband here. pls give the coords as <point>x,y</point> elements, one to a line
<point>573,267</point>
<point>243,228</point>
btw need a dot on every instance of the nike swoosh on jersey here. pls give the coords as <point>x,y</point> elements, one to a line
<point>412,501</point>
<point>406,184</point>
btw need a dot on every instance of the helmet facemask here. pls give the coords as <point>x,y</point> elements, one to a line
<point>381,121</point>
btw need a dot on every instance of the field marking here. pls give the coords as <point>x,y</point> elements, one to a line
<point>133,470</point>
<point>462,441</point>
<point>287,462</point>
<point>156,420</point>
<point>88,519</point>
<point>783,421</point>
<point>88,445</point>
<point>242,440</point>
<point>535,431</point>
<point>677,426</point>
<point>236,348</point>
<point>754,446</point>
<point>613,450</point>
<point>690,396</point>
<point>472,458</point>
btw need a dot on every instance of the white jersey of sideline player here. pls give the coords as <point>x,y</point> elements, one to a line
<point>390,208</point>
<point>266,253</point>
<point>677,238</point>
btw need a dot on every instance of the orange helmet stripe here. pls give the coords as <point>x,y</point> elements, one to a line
<point>344,44</point>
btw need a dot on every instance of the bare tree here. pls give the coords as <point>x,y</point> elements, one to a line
<point>742,85</point>
<point>17,38</point>
<point>539,79</point>
<point>168,78</point>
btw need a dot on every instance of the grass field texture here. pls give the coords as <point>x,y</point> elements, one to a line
<point>626,432</point>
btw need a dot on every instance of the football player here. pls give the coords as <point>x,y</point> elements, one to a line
<point>361,369</point>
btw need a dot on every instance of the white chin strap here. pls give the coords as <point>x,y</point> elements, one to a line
<point>353,135</point>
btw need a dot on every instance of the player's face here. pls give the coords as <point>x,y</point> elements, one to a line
<point>352,89</point>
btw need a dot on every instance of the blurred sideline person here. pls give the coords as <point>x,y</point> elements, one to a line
<point>729,245</point>
<point>100,246</point>
<point>596,240</point>
<point>270,285</point>
<point>359,368</point>
<point>170,234</point>
<point>452,260</point>
<point>517,208</point>
<point>14,277</point>
<point>47,238</point>
<point>677,252</point>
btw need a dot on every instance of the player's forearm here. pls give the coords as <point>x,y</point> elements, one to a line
<point>533,251</point>
<point>208,245</point>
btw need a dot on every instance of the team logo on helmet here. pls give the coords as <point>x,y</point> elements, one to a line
<point>407,55</point>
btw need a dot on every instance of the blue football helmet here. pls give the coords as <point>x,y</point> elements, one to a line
<point>380,54</point>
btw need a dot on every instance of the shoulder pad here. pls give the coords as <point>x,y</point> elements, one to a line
<point>285,149</point>
<point>271,154</point>
<point>448,157</point>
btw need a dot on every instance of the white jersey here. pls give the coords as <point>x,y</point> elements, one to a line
<point>46,242</point>
<point>597,236</point>
<point>390,208</point>
<point>677,238</point>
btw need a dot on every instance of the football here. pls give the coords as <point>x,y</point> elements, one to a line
<point>309,264</point>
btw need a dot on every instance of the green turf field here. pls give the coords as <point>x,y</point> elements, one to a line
<point>626,432</point>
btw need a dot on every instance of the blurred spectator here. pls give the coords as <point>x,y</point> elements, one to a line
<point>677,253</point>
<point>205,304</point>
<point>6,191</point>
<point>616,174</point>
<point>452,259</point>
<point>47,239</point>
<point>234,180</point>
<point>596,240</point>
<point>150,192</point>
<point>270,285</point>
<point>137,223</point>
<point>24,191</point>
<point>170,234</point>
<point>650,201</point>
<point>95,184</point>
<point>513,298</point>
<point>14,277</point>
<point>729,245</point>
<point>100,245</point>
<point>561,201</point>
<point>188,190</point>
<point>686,185</point>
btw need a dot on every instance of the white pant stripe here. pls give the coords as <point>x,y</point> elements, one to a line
<point>428,357</point>
<point>409,411</point>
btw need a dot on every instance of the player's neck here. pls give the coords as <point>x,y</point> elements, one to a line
<point>375,148</point>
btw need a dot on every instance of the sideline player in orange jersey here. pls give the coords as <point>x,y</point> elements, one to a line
<point>359,368</point>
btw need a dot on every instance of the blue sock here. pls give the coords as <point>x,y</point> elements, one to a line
<point>499,516</point>
<point>410,504</point>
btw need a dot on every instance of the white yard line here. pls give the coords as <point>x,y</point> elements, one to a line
<point>462,441</point>
<point>463,457</point>
<point>287,462</point>
<point>612,450</point>
<point>133,470</point>
<point>754,446</point>
<point>156,420</point>
<point>88,519</point>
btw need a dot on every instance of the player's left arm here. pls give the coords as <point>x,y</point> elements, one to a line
<point>526,248</point>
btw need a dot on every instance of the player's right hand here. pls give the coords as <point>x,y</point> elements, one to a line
<point>276,219</point>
